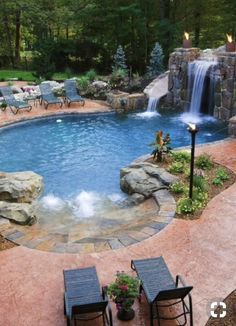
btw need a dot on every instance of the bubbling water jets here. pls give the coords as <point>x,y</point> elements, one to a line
<point>52,203</point>
<point>85,204</point>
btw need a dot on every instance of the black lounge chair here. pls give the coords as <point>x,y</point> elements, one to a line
<point>159,286</point>
<point>71,93</point>
<point>9,99</point>
<point>47,95</point>
<point>83,298</point>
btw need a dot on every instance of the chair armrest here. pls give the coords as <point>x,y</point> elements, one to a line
<point>104,293</point>
<point>132,265</point>
<point>179,279</point>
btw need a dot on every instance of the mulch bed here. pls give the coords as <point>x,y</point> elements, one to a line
<point>5,244</point>
<point>230,318</point>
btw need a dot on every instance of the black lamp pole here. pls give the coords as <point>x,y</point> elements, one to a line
<point>193,130</point>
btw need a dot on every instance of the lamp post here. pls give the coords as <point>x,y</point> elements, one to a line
<point>192,128</point>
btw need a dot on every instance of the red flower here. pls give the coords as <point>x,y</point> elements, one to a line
<point>124,287</point>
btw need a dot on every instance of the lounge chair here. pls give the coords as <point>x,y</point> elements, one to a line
<point>10,100</point>
<point>71,94</point>
<point>159,286</point>
<point>83,298</point>
<point>47,96</point>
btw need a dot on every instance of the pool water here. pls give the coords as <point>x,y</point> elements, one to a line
<point>77,155</point>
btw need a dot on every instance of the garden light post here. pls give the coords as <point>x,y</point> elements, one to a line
<point>193,130</point>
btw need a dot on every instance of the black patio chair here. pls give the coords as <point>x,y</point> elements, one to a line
<point>83,298</point>
<point>47,96</point>
<point>10,100</point>
<point>161,291</point>
<point>71,92</point>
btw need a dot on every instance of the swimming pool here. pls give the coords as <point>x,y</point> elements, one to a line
<point>84,153</point>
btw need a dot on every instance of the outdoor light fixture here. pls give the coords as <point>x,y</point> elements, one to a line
<point>230,44</point>
<point>192,128</point>
<point>187,43</point>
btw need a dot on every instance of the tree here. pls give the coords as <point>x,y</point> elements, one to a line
<point>156,67</point>
<point>119,60</point>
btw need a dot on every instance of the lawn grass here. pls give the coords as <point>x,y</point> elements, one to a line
<point>20,74</point>
<point>28,75</point>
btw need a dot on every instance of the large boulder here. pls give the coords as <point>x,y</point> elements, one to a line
<point>20,187</point>
<point>144,178</point>
<point>18,213</point>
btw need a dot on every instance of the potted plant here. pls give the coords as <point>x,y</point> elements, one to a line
<point>162,146</point>
<point>123,292</point>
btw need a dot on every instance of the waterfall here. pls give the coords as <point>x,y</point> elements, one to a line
<point>197,71</point>
<point>151,109</point>
<point>152,104</point>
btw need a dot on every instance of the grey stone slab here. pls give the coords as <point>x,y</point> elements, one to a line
<point>115,244</point>
<point>15,235</point>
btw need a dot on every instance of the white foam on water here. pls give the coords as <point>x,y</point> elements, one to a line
<point>189,117</point>
<point>52,202</point>
<point>85,203</point>
<point>115,197</point>
<point>59,120</point>
<point>147,114</point>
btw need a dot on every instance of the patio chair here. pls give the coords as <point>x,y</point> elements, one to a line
<point>10,100</point>
<point>83,298</point>
<point>47,95</point>
<point>71,93</point>
<point>161,291</point>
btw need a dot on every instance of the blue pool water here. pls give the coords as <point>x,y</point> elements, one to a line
<point>75,153</point>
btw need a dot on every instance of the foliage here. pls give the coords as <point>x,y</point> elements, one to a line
<point>91,75</point>
<point>124,290</point>
<point>222,174</point>
<point>43,67</point>
<point>187,205</point>
<point>176,167</point>
<point>178,187</point>
<point>118,78</point>
<point>204,162</point>
<point>156,66</point>
<point>83,83</point>
<point>119,60</point>
<point>200,183</point>
<point>183,157</point>
<point>162,146</point>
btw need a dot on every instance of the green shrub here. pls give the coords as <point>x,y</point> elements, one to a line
<point>222,174</point>
<point>187,205</point>
<point>200,183</point>
<point>183,157</point>
<point>217,182</point>
<point>204,162</point>
<point>176,167</point>
<point>91,75</point>
<point>178,187</point>
<point>83,82</point>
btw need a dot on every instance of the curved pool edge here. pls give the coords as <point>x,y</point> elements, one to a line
<point>22,235</point>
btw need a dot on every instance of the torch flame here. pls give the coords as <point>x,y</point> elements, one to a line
<point>229,38</point>
<point>186,35</point>
<point>192,126</point>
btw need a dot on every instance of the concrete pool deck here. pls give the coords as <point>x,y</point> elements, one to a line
<point>202,251</point>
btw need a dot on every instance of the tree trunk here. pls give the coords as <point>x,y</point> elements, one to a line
<point>17,36</point>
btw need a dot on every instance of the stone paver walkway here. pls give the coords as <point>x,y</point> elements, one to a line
<point>203,251</point>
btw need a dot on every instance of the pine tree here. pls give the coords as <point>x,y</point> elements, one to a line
<point>119,60</point>
<point>156,67</point>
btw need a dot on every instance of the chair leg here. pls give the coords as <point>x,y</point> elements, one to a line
<point>151,315</point>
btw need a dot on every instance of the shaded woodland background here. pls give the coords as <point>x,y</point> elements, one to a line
<point>78,35</point>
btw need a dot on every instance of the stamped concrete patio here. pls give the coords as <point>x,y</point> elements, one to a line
<point>202,251</point>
